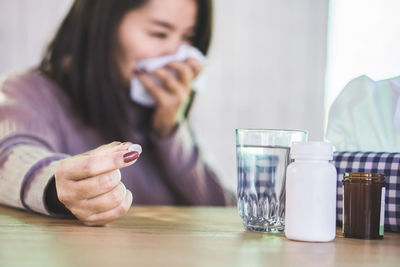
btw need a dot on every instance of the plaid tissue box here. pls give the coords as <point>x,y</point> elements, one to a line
<point>372,162</point>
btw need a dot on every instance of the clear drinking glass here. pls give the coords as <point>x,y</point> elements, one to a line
<point>262,157</point>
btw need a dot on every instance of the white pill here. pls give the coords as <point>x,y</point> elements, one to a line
<point>135,147</point>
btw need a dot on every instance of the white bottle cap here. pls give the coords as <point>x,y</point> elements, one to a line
<point>312,150</point>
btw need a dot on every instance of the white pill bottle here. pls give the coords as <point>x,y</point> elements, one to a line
<point>311,193</point>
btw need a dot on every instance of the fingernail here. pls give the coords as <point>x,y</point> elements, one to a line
<point>135,147</point>
<point>130,156</point>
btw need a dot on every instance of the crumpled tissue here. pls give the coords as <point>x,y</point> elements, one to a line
<point>366,116</point>
<point>139,93</point>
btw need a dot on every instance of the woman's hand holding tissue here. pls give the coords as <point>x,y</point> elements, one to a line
<point>90,186</point>
<point>176,80</point>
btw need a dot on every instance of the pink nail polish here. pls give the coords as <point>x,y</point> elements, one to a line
<point>130,156</point>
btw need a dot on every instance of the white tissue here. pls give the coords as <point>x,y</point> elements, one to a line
<point>395,85</point>
<point>139,93</point>
<point>366,116</point>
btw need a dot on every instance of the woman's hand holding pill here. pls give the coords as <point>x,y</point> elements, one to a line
<point>90,186</point>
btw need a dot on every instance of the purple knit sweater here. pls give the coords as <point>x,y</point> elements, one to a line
<point>39,127</point>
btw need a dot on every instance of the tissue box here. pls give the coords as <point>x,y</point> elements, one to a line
<point>372,162</point>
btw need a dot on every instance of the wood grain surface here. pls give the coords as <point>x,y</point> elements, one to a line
<point>175,236</point>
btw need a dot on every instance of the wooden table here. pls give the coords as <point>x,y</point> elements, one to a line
<point>175,236</point>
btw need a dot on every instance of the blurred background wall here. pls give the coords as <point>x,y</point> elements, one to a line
<point>26,27</point>
<point>266,68</point>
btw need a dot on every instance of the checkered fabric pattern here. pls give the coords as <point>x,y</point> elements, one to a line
<point>256,175</point>
<point>371,162</point>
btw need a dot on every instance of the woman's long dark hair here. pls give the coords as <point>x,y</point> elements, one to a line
<point>82,60</point>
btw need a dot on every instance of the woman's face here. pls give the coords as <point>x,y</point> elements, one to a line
<point>155,29</point>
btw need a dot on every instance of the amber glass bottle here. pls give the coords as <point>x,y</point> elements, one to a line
<point>363,205</point>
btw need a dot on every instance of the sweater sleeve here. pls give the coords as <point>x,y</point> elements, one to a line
<point>28,144</point>
<point>188,174</point>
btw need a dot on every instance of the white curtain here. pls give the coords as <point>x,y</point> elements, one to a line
<point>266,66</point>
<point>364,38</point>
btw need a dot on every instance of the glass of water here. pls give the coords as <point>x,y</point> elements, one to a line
<point>262,157</point>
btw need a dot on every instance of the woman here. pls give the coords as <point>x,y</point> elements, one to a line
<point>78,100</point>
